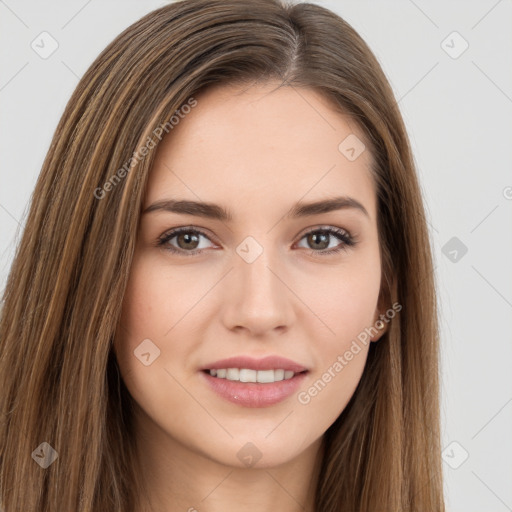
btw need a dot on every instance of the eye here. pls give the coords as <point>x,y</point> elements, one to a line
<point>320,238</point>
<point>188,240</point>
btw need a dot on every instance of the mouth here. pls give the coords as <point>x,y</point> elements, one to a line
<point>251,388</point>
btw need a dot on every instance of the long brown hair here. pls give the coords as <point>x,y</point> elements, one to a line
<point>59,378</point>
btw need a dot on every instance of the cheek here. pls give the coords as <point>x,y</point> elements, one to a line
<point>343,298</point>
<point>157,298</point>
<point>344,304</point>
<point>142,355</point>
<point>340,354</point>
<point>142,325</point>
<point>156,303</point>
<point>327,393</point>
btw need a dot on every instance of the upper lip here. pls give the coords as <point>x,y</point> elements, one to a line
<point>265,363</point>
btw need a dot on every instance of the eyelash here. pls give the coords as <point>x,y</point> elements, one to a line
<point>348,241</point>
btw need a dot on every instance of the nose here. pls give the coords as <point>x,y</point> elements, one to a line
<point>257,298</point>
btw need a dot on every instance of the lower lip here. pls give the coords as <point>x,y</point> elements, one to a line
<point>254,394</point>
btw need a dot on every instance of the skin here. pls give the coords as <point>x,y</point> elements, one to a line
<point>256,150</point>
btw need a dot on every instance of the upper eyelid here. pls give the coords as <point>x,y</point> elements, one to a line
<point>171,233</point>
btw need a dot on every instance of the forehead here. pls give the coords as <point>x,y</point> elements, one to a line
<point>255,145</point>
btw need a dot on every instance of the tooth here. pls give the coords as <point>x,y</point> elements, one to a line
<point>278,375</point>
<point>232,374</point>
<point>265,376</point>
<point>247,375</point>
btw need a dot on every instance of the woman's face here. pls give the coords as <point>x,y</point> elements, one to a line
<point>265,282</point>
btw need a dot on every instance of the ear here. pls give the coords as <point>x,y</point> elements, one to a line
<point>380,322</point>
<point>386,308</point>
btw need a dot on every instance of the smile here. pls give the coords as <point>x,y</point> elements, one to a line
<point>245,391</point>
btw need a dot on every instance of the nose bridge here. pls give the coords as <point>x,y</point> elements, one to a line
<point>260,299</point>
<point>253,269</point>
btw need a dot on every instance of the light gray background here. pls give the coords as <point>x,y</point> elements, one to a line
<point>458,112</point>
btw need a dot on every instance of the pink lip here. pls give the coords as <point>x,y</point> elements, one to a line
<point>265,363</point>
<point>253,394</point>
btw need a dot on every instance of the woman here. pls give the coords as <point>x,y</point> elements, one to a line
<point>172,335</point>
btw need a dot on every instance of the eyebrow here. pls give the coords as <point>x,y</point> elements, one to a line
<point>217,212</point>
